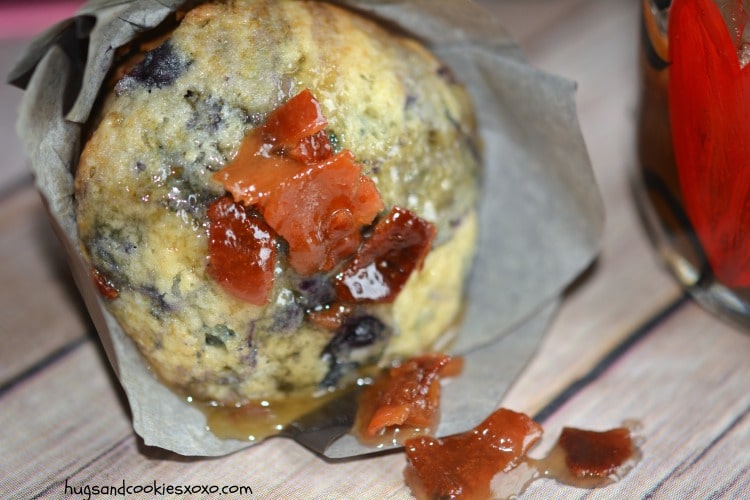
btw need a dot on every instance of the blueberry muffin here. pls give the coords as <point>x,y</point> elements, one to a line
<point>277,195</point>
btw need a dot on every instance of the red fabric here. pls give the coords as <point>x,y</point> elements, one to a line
<point>709,101</point>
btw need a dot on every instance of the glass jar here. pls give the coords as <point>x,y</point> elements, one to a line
<point>693,187</point>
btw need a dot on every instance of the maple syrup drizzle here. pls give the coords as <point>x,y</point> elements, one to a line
<point>257,420</point>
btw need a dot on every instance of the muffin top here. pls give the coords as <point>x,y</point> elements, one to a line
<point>145,179</point>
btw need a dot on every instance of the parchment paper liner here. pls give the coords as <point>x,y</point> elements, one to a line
<point>541,216</point>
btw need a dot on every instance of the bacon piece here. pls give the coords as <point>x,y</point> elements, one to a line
<point>242,251</point>
<point>321,211</point>
<point>463,465</point>
<point>317,201</point>
<point>381,268</point>
<point>408,395</point>
<point>103,285</point>
<point>252,176</point>
<point>295,120</point>
<point>595,454</point>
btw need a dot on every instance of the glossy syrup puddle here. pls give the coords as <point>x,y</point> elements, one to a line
<point>258,420</point>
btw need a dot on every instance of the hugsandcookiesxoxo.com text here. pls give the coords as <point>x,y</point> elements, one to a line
<point>154,488</point>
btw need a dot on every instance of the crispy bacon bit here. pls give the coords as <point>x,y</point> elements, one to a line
<point>462,466</point>
<point>105,288</point>
<point>294,121</point>
<point>312,149</point>
<point>330,318</point>
<point>242,251</point>
<point>317,201</point>
<point>269,156</point>
<point>596,454</point>
<point>380,269</point>
<point>408,395</point>
<point>252,176</point>
<point>320,213</point>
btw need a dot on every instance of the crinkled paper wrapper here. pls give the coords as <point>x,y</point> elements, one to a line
<point>541,216</point>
